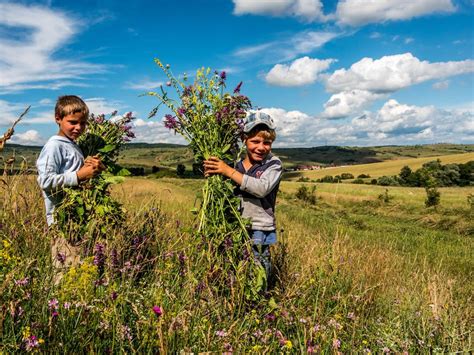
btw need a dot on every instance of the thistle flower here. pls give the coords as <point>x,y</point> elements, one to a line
<point>158,311</point>
<point>237,88</point>
<point>53,304</point>
<point>171,122</point>
<point>22,282</point>
<point>61,257</point>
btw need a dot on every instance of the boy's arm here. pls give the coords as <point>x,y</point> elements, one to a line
<point>261,187</point>
<point>48,165</point>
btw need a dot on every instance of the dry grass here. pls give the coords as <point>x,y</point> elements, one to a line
<point>391,167</point>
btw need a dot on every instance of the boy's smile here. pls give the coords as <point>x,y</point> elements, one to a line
<point>257,148</point>
<point>72,125</point>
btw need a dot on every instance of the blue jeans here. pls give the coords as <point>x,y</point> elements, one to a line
<point>261,248</point>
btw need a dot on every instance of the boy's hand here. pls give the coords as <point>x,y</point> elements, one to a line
<point>92,167</point>
<point>216,166</point>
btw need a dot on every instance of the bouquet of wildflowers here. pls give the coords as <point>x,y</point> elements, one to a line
<point>211,120</point>
<point>90,208</point>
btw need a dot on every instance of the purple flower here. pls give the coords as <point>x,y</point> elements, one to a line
<point>223,75</point>
<point>61,257</point>
<point>157,310</point>
<point>53,304</point>
<point>114,113</point>
<point>22,282</point>
<point>270,317</point>
<point>181,111</point>
<point>31,342</point>
<point>336,343</point>
<point>99,256</point>
<point>171,122</point>
<point>237,88</point>
<point>221,333</point>
<point>54,314</point>
<point>113,296</point>
<point>67,305</point>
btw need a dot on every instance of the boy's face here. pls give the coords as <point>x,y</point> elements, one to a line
<point>72,125</point>
<point>258,148</point>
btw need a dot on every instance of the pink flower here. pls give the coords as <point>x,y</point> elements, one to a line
<point>168,83</point>
<point>53,304</point>
<point>157,310</point>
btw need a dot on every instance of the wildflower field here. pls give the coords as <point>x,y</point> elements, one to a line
<point>355,273</point>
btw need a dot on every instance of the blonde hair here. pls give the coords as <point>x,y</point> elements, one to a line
<point>70,104</point>
<point>262,131</point>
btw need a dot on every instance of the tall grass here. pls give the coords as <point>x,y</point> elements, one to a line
<point>353,275</point>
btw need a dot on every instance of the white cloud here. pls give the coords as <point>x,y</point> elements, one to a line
<point>99,105</point>
<point>9,112</point>
<point>391,73</point>
<point>302,71</point>
<point>307,10</point>
<point>30,137</point>
<point>144,85</point>
<point>155,132</point>
<point>288,48</point>
<point>361,12</point>
<point>28,62</point>
<point>441,85</point>
<point>349,102</point>
<point>409,40</point>
<point>375,35</point>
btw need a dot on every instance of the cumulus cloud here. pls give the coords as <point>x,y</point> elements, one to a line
<point>155,132</point>
<point>30,137</point>
<point>302,71</point>
<point>361,12</point>
<point>370,79</point>
<point>99,105</point>
<point>393,123</point>
<point>27,62</point>
<point>287,49</point>
<point>307,10</point>
<point>391,73</point>
<point>349,102</point>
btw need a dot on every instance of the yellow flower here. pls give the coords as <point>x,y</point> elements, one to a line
<point>40,341</point>
<point>288,344</point>
<point>256,348</point>
<point>365,342</point>
<point>26,332</point>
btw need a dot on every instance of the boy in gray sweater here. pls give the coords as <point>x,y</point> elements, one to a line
<point>257,177</point>
<point>61,164</point>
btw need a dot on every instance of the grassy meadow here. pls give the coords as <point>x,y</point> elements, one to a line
<point>375,170</point>
<point>355,272</point>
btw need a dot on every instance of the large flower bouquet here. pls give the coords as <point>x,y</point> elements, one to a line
<point>89,209</point>
<point>211,120</point>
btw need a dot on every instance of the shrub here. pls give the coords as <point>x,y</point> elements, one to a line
<point>307,195</point>
<point>470,200</point>
<point>432,197</point>
<point>363,176</point>
<point>373,181</point>
<point>327,178</point>
<point>387,181</point>
<point>180,170</point>
<point>358,181</point>
<point>385,197</point>
<point>346,176</point>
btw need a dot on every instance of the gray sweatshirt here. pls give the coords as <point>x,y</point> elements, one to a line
<point>258,192</point>
<point>57,165</point>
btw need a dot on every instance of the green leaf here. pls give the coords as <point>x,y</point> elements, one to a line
<point>108,148</point>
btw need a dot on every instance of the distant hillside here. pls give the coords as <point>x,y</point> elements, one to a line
<point>169,155</point>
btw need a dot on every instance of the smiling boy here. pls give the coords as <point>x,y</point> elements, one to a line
<point>258,178</point>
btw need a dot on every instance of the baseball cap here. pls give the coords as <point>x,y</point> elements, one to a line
<point>254,118</point>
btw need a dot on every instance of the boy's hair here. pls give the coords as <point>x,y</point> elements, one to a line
<point>70,104</point>
<point>262,131</point>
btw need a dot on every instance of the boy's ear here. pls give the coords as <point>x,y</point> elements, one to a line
<point>58,119</point>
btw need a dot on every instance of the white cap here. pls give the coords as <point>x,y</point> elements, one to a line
<point>256,118</point>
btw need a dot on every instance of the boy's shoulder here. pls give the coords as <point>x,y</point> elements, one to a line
<point>59,146</point>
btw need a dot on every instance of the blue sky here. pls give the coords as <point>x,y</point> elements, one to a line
<point>347,72</point>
